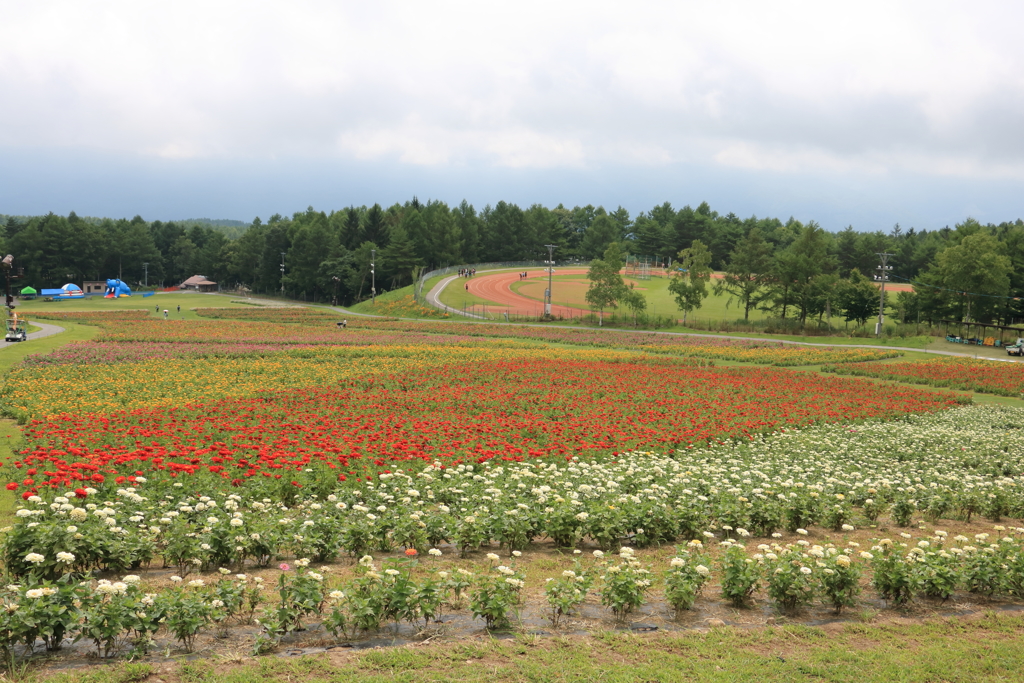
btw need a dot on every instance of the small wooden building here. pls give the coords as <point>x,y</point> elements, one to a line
<point>199,283</point>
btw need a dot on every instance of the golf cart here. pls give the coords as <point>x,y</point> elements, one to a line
<point>17,330</point>
<point>1016,349</point>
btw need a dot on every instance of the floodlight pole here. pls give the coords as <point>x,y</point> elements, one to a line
<point>145,270</point>
<point>883,277</point>
<point>282,273</point>
<point>373,276</point>
<point>551,272</point>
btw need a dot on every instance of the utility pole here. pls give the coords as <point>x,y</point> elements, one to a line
<point>883,277</point>
<point>145,269</point>
<point>282,273</point>
<point>373,275</point>
<point>551,272</point>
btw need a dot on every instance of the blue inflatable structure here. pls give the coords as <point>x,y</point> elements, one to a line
<point>116,289</point>
<point>69,290</point>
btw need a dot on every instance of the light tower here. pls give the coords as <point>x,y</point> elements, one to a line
<point>551,271</point>
<point>883,277</point>
<point>282,273</point>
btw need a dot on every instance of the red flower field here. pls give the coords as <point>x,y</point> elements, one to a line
<point>509,409</point>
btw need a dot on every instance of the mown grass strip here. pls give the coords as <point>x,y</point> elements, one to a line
<point>984,649</point>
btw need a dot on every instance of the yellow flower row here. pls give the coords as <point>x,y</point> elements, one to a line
<point>41,391</point>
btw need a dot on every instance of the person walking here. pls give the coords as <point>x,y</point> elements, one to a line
<point>165,314</point>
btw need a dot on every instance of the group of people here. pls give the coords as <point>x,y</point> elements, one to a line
<point>523,275</point>
<point>166,311</point>
<point>467,272</point>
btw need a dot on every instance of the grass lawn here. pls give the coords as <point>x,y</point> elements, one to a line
<point>570,290</point>
<point>168,300</point>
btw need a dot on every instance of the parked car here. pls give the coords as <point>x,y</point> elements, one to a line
<point>1016,349</point>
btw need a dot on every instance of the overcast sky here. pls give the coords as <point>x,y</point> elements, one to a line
<point>866,113</point>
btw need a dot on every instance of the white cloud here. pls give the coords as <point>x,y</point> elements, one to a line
<point>929,88</point>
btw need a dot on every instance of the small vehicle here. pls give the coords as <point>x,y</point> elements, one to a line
<point>1016,349</point>
<point>17,330</point>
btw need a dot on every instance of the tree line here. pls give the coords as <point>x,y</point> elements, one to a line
<point>793,269</point>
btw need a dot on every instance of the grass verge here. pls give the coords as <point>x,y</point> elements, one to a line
<point>988,648</point>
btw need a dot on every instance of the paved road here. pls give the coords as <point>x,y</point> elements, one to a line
<point>46,330</point>
<point>433,300</point>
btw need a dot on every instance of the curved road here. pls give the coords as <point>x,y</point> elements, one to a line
<point>46,330</point>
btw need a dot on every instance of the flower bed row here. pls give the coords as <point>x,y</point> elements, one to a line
<point>92,316</point>
<point>968,374</point>
<point>948,465</point>
<point>380,412</point>
<point>316,326</point>
<point>272,314</point>
<point>121,616</point>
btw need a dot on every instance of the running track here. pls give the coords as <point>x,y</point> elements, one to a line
<point>498,288</point>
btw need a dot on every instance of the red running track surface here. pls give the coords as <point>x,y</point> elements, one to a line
<point>498,288</point>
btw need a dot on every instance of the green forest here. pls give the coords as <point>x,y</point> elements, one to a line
<point>793,269</point>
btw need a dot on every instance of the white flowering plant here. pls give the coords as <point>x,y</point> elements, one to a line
<point>410,531</point>
<point>789,575</point>
<point>741,575</point>
<point>624,584</point>
<point>302,594</point>
<point>38,610</point>
<point>893,576</point>
<point>688,571</point>
<point>188,610</point>
<point>117,613</point>
<point>495,596</point>
<point>983,569</point>
<point>837,513</point>
<point>564,594</point>
<point>470,531</point>
<point>903,509</point>
<point>838,579</point>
